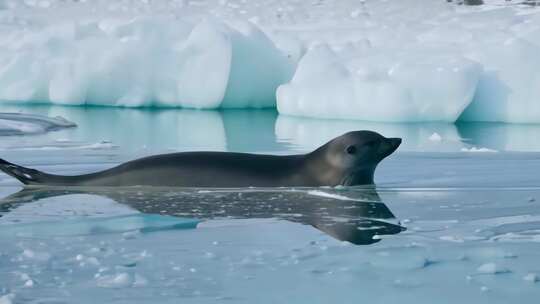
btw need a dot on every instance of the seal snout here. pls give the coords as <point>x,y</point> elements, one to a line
<point>389,146</point>
<point>395,142</point>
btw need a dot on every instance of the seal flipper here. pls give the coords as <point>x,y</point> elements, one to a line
<point>25,175</point>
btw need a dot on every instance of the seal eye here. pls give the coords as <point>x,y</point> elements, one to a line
<point>351,149</point>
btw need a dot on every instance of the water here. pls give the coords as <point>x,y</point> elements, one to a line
<point>443,225</point>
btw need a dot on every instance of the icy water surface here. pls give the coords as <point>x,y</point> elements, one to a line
<point>455,216</point>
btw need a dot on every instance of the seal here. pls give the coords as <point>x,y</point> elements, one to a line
<point>347,160</point>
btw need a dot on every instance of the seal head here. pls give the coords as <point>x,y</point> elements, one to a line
<point>351,159</point>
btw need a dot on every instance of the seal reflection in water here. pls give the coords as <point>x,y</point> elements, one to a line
<point>347,160</point>
<point>355,215</point>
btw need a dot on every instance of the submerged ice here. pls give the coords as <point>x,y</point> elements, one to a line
<point>20,124</point>
<point>400,60</point>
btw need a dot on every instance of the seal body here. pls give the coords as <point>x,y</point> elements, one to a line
<point>350,159</point>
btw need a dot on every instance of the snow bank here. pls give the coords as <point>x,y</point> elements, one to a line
<point>18,124</point>
<point>142,61</point>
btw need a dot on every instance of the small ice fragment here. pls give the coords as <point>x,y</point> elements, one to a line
<point>451,238</point>
<point>130,235</point>
<point>7,299</point>
<point>29,283</point>
<point>38,256</point>
<point>484,289</point>
<point>355,13</point>
<point>475,149</point>
<point>435,137</point>
<point>531,277</point>
<point>491,268</point>
<point>115,281</point>
<point>92,261</point>
<point>28,253</point>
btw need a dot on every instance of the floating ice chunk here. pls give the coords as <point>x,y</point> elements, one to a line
<point>113,224</point>
<point>7,299</point>
<point>18,124</point>
<point>491,268</point>
<point>531,277</point>
<point>37,256</point>
<point>29,283</point>
<point>119,280</point>
<point>328,86</point>
<point>435,137</point>
<point>475,149</point>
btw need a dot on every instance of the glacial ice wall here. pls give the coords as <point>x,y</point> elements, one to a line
<point>396,60</point>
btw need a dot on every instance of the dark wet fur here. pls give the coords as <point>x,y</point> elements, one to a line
<point>347,160</point>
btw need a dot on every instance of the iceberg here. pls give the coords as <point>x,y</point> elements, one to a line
<point>142,62</point>
<point>391,61</point>
<point>327,86</point>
